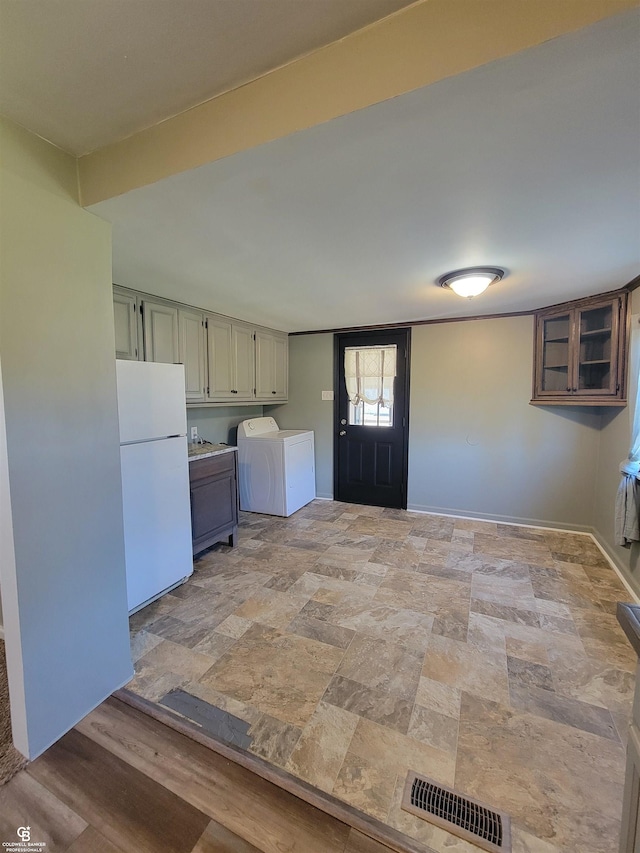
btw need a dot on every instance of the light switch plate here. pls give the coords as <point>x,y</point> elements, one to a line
<point>327,395</point>
<point>194,433</point>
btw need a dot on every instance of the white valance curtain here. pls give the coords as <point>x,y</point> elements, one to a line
<point>369,373</point>
<point>627,512</point>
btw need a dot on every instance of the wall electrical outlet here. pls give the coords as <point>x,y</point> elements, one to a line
<point>327,395</point>
<point>194,433</point>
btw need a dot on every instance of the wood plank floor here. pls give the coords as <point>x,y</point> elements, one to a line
<point>122,782</point>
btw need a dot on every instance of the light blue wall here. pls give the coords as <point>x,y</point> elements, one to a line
<point>65,604</point>
<point>476,446</point>
<point>219,424</point>
<point>614,448</point>
<point>311,373</point>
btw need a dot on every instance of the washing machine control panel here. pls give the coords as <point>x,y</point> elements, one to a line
<point>257,426</point>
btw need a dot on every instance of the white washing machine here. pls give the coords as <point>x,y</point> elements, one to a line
<point>276,467</point>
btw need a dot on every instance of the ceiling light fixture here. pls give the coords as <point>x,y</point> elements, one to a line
<point>471,281</point>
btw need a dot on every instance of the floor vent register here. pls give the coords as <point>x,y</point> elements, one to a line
<point>469,819</point>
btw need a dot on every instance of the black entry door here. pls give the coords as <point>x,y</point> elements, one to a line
<point>372,418</point>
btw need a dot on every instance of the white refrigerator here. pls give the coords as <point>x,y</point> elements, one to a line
<point>155,478</point>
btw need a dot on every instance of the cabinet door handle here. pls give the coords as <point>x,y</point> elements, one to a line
<point>274,392</point>
<point>568,390</point>
<point>574,390</point>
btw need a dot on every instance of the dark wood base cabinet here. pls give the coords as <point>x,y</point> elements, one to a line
<point>214,500</point>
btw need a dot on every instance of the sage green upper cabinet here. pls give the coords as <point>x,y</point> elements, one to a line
<point>191,336</point>
<point>125,315</point>
<point>242,342</point>
<point>271,366</point>
<point>225,360</point>
<point>160,326</point>
<point>220,381</point>
<point>230,350</point>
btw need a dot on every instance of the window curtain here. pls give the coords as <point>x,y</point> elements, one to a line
<point>627,512</point>
<point>369,373</point>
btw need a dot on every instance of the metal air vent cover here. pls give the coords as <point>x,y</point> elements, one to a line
<point>462,816</point>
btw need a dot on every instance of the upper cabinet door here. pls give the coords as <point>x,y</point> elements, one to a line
<point>265,381</point>
<point>125,315</point>
<point>191,336</point>
<point>160,323</point>
<point>219,359</point>
<point>597,334</point>
<point>243,357</point>
<point>281,367</point>
<point>230,359</point>
<point>555,348</point>
<point>271,366</point>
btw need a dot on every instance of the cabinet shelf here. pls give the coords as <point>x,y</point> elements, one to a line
<point>594,333</point>
<point>562,340</point>
<point>596,361</point>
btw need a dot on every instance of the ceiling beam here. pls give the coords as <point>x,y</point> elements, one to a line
<point>417,46</point>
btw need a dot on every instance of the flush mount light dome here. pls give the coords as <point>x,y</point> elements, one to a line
<point>471,281</point>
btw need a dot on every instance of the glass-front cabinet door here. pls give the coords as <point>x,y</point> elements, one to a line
<point>597,357</point>
<point>580,352</point>
<point>555,374</point>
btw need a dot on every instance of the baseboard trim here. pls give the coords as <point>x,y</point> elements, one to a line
<point>516,521</point>
<point>369,826</point>
<point>611,558</point>
<point>324,497</point>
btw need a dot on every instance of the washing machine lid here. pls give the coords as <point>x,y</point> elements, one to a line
<point>285,436</point>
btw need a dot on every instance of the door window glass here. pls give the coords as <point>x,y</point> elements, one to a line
<point>369,375</point>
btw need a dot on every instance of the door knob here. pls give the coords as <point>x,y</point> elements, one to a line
<point>343,432</point>
<point>343,421</point>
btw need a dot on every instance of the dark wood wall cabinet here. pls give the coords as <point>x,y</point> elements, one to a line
<point>214,500</point>
<point>580,352</point>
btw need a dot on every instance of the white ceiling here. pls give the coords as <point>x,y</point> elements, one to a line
<point>85,73</point>
<point>530,163</point>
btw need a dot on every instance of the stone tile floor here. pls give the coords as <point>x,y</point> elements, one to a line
<point>352,643</point>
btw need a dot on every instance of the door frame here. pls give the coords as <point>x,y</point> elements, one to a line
<point>371,335</point>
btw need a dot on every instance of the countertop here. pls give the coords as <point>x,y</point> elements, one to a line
<point>203,451</point>
<point>629,619</point>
